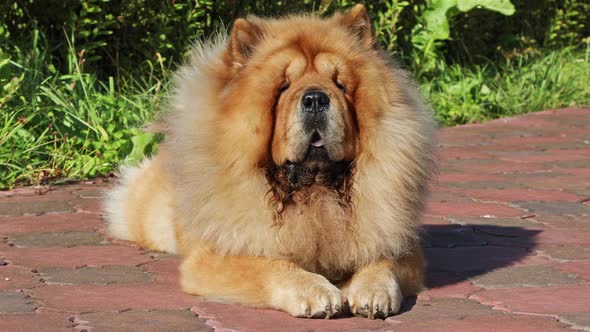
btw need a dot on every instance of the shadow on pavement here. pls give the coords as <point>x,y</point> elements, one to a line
<point>455,253</point>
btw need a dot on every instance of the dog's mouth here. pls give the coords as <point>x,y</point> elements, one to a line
<point>317,156</point>
<point>317,141</point>
<point>313,166</point>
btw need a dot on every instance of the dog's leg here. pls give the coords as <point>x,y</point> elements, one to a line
<point>377,290</point>
<point>260,282</point>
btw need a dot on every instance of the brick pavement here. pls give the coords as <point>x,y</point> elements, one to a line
<point>507,239</point>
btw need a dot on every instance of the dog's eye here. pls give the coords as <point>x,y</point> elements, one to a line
<point>340,86</point>
<point>284,86</point>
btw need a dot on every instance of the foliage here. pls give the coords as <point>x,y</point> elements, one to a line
<point>79,78</point>
<point>74,125</point>
<point>433,26</point>
<point>525,84</point>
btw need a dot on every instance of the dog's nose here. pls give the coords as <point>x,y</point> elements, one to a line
<point>315,101</point>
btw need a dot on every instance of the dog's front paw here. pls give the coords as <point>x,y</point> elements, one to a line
<point>307,295</point>
<point>374,296</point>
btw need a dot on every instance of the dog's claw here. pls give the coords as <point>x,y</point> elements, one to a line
<point>320,314</point>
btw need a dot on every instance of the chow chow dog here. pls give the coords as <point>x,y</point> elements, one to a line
<point>293,171</point>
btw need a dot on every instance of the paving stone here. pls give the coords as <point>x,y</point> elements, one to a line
<point>227,317</point>
<point>524,276</point>
<point>518,194</point>
<point>33,207</point>
<point>529,156</point>
<point>88,205</point>
<point>445,309</point>
<point>521,122</point>
<point>18,192</point>
<point>443,196</point>
<point>15,302</point>
<point>472,261</point>
<point>41,194</point>
<point>542,174</point>
<point>554,208</point>
<point>514,232</point>
<point>507,323</point>
<point>28,322</point>
<point>57,239</point>
<point>552,300</point>
<point>49,223</point>
<point>76,256</point>
<point>565,222</point>
<point>162,255</point>
<point>559,146</point>
<point>141,320</point>
<point>467,177</point>
<point>519,141</point>
<point>433,220</point>
<point>91,298</point>
<point>450,236</point>
<point>563,236</point>
<point>500,225</point>
<point>567,182</point>
<point>438,278</point>
<point>165,270</point>
<point>579,321</point>
<point>584,192</point>
<point>94,275</point>
<point>460,153</point>
<point>564,252</point>
<point>441,288</point>
<point>579,268</point>
<point>91,192</point>
<point>471,209</point>
<point>506,184</point>
<point>494,167</point>
<point>14,277</point>
<point>507,236</point>
<point>569,163</point>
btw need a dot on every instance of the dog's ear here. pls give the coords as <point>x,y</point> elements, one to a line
<point>357,21</point>
<point>245,35</point>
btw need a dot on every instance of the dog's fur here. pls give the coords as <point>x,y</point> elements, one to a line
<point>231,191</point>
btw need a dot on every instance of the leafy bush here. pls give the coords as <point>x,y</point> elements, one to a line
<point>71,125</point>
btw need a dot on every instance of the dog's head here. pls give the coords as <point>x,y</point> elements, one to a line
<point>294,90</point>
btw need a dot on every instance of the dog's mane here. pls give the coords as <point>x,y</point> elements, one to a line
<point>295,184</point>
<point>221,174</point>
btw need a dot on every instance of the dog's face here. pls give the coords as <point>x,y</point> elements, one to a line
<point>315,122</point>
<point>294,82</point>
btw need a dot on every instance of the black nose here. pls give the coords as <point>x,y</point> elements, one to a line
<point>315,101</point>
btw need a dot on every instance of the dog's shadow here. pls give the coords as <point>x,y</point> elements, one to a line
<point>457,253</point>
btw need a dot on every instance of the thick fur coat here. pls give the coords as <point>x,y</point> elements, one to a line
<point>233,189</point>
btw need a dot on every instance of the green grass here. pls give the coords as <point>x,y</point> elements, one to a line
<point>73,126</point>
<point>526,84</point>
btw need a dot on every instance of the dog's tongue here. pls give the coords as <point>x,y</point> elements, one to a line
<point>317,140</point>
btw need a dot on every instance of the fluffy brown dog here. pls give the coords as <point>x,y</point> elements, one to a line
<point>293,172</point>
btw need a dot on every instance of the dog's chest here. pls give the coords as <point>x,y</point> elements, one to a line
<point>321,236</point>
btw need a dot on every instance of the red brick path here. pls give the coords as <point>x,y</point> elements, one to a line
<point>507,239</point>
